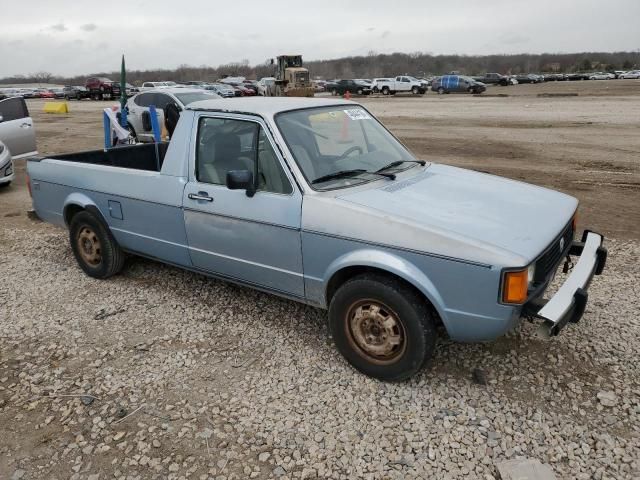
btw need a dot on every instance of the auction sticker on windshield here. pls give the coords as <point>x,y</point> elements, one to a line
<point>357,114</point>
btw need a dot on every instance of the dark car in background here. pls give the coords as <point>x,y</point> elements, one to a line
<point>493,79</point>
<point>75,92</point>
<point>358,87</point>
<point>457,84</point>
<point>528,78</point>
<point>101,88</point>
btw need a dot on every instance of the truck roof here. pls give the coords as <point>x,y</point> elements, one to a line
<point>265,106</point>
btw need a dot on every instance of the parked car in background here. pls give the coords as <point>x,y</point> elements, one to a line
<point>222,89</point>
<point>75,92</point>
<point>554,77</point>
<point>58,92</point>
<point>44,93</point>
<point>492,79</point>
<point>577,76</point>
<point>252,85</point>
<point>602,76</point>
<point>319,85</point>
<point>357,87</point>
<point>378,81</point>
<point>314,200</point>
<point>152,86</point>
<point>457,84</point>
<point>399,84</point>
<point>101,88</point>
<point>264,84</point>
<point>526,78</point>
<point>16,128</point>
<point>7,173</point>
<point>138,115</point>
<point>131,90</point>
<point>634,74</point>
<point>28,93</point>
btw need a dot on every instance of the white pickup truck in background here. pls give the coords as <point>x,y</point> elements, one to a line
<point>402,83</point>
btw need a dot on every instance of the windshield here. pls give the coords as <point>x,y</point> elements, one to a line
<point>187,98</point>
<point>333,139</point>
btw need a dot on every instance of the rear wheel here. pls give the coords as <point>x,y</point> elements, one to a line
<point>334,92</point>
<point>5,184</point>
<point>382,327</point>
<point>440,90</point>
<point>95,249</point>
<point>360,91</point>
<point>385,90</point>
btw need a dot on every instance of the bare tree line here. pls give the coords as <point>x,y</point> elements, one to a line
<point>373,65</point>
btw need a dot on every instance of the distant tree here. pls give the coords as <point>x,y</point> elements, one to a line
<point>627,65</point>
<point>586,65</point>
<point>42,77</point>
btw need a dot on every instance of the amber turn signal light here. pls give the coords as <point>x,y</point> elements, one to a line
<point>516,284</point>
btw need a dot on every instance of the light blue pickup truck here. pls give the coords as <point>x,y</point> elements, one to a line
<point>316,201</point>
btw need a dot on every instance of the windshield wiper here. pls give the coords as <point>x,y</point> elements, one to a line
<point>350,173</point>
<point>400,162</point>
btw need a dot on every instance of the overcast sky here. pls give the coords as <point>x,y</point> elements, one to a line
<point>77,37</point>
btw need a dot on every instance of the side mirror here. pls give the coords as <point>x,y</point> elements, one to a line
<point>241,180</point>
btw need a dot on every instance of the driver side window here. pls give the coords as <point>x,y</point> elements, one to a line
<point>227,144</point>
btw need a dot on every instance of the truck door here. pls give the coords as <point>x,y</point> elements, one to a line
<point>254,239</point>
<point>16,128</point>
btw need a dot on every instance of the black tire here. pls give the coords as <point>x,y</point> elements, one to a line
<point>100,256</point>
<point>5,185</point>
<point>67,98</point>
<point>415,90</point>
<point>440,90</point>
<point>360,91</point>
<point>385,90</point>
<point>406,318</point>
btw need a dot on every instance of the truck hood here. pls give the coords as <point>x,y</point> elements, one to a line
<point>480,212</point>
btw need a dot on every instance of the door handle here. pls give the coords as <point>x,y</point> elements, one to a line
<point>26,125</point>
<point>200,196</point>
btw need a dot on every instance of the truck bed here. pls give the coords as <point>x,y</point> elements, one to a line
<point>148,156</point>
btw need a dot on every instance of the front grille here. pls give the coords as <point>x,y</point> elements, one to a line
<point>549,260</point>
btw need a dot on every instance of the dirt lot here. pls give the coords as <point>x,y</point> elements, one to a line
<point>223,382</point>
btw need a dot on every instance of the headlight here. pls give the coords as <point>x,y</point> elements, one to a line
<point>531,272</point>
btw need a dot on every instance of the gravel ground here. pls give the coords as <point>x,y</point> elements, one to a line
<point>187,377</point>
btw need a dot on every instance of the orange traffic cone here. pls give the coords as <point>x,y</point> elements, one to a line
<point>347,95</point>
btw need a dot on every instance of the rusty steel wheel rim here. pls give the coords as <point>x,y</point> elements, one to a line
<point>375,332</point>
<point>89,246</point>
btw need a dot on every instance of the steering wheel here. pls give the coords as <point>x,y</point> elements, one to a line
<point>349,151</point>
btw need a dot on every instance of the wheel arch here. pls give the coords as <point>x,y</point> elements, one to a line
<point>385,263</point>
<point>78,202</point>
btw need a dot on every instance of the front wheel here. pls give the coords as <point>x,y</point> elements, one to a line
<point>382,327</point>
<point>385,90</point>
<point>415,90</point>
<point>95,249</point>
<point>360,91</point>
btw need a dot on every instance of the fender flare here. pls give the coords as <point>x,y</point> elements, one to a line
<point>391,263</point>
<point>85,203</point>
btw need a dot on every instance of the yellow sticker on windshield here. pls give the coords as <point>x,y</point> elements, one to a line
<point>357,114</point>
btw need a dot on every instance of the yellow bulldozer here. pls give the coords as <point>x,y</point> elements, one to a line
<point>291,78</point>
